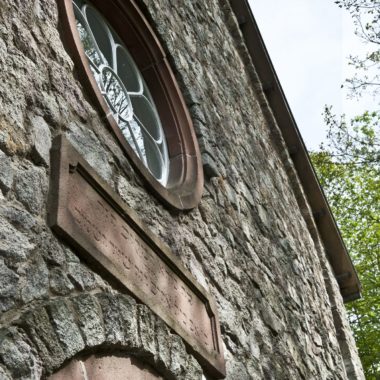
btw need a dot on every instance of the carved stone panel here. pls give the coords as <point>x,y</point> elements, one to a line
<point>90,215</point>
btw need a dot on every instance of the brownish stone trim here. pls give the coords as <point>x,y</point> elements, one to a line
<point>91,239</point>
<point>185,184</point>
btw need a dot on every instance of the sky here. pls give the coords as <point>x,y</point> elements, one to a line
<point>309,42</point>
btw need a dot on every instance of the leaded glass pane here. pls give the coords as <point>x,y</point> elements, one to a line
<point>124,89</point>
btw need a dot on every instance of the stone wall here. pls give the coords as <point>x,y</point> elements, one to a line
<point>251,242</point>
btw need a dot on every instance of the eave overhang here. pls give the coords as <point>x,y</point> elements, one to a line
<point>336,251</point>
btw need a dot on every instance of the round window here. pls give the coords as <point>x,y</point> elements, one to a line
<point>128,75</point>
<point>123,88</point>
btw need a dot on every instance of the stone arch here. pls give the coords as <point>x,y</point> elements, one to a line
<point>46,338</point>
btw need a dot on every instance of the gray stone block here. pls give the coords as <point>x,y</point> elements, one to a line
<point>90,319</point>
<point>4,375</point>
<point>81,277</point>
<point>14,245</point>
<point>209,166</point>
<point>193,369</point>
<point>128,313</point>
<point>6,172</point>
<point>51,250</point>
<point>86,142</point>
<point>9,287</point>
<point>177,356</point>
<point>146,321</point>
<point>64,324</point>
<point>39,329</point>
<point>41,141</point>
<point>37,280</point>
<point>113,325</point>
<point>19,217</point>
<point>163,344</point>
<point>59,282</point>
<point>18,356</point>
<point>31,188</point>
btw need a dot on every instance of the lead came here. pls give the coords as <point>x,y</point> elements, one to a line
<point>124,89</point>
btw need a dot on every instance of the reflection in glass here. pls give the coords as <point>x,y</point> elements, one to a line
<point>123,88</point>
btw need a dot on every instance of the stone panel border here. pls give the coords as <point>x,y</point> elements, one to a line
<point>112,245</point>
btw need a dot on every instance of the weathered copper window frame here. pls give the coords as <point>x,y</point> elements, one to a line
<point>185,183</point>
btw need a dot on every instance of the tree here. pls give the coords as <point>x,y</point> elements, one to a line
<point>348,167</point>
<point>366,16</point>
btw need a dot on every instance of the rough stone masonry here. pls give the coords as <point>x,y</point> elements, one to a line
<point>248,242</point>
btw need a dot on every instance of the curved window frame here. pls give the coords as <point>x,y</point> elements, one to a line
<point>184,185</point>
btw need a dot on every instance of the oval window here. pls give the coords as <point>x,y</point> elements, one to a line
<point>129,78</point>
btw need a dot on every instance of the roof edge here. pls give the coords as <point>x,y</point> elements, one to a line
<point>335,248</point>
